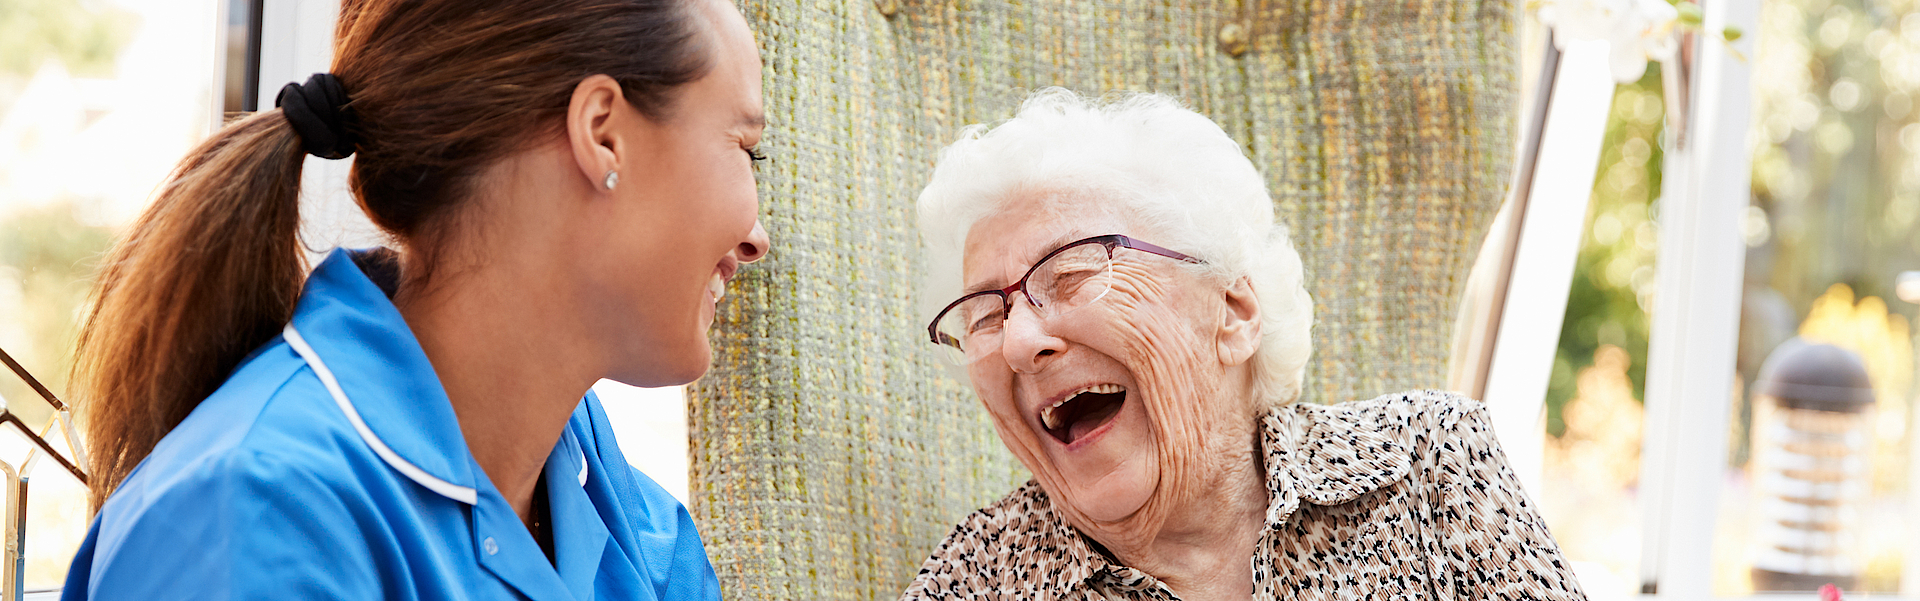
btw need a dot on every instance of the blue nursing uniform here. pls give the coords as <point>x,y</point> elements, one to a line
<point>330,466</point>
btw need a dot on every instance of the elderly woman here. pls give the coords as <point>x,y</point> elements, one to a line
<point>1135,323</point>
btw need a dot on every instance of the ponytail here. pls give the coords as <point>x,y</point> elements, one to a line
<point>208,273</point>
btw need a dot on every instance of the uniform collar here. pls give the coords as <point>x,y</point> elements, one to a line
<point>353,337</point>
<point>1321,454</point>
<point>580,534</point>
<point>355,341</point>
<point>581,539</point>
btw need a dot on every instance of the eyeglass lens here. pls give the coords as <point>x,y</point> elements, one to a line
<point>1069,279</point>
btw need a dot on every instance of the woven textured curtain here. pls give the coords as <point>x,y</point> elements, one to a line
<point>831,452</point>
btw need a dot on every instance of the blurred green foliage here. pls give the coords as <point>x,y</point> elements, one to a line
<point>85,36</point>
<point>1833,152</point>
<point>47,258</point>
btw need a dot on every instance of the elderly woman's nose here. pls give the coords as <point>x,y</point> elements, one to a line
<point>756,245</point>
<point>1025,341</point>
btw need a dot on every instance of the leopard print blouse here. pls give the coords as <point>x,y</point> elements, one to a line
<point>1406,496</point>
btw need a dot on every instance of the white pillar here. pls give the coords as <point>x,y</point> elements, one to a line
<point>1696,314</point>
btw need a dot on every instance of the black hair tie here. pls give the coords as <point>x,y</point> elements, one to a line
<point>318,111</point>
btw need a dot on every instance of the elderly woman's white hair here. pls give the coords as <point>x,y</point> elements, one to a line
<point>1167,166</point>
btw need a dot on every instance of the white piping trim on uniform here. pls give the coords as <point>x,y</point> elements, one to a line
<point>463,494</point>
<point>583,467</point>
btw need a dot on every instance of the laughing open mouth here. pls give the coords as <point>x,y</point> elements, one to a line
<point>1083,411</point>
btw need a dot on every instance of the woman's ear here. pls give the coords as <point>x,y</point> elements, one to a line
<point>591,116</point>
<point>1239,323</point>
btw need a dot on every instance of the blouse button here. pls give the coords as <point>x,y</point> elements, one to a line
<point>490,546</point>
<point>1233,39</point>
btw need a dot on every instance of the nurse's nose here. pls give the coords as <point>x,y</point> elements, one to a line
<point>755,247</point>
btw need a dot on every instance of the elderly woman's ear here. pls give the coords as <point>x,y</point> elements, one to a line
<point>1239,332</point>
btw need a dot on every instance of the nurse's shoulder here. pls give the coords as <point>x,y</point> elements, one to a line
<point>265,487</point>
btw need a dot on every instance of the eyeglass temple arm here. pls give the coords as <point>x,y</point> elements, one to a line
<point>1158,250</point>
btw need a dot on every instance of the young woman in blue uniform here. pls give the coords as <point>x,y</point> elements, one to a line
<point>568,188</point>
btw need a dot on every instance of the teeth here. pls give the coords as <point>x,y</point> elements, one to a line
<point>717,286</point>
<point>1047,418</point>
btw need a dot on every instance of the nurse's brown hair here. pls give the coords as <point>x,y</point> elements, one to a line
<point>439,91</point>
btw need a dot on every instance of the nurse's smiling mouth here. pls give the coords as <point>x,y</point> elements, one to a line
<point>722,273</point>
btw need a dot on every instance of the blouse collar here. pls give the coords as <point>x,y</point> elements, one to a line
<point>1329,454</point>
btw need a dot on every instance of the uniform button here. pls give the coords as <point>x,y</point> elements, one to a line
<point>490,546</point>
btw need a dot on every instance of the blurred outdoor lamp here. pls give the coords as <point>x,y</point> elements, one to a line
<point>1811,424</point>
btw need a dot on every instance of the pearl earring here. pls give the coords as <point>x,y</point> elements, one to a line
<point>613,179</point>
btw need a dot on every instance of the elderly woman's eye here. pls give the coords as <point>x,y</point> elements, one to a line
<point>1067,282</point>
<point>1068,279</point>
<point>985,322</point>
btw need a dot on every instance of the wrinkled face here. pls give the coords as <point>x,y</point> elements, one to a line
<point>690,209</point>
<point>1090,399</point>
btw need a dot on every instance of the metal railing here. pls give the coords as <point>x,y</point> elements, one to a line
<point>13,561</point>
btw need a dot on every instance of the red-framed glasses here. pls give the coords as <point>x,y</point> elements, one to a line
<point>1074,275</point>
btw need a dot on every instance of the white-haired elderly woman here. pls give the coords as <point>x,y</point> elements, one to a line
<point>1134,322</point>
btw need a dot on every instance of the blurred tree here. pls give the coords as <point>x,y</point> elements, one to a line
<point>1836,188</point>
<point>83,35</point>
<point>46,265</point>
